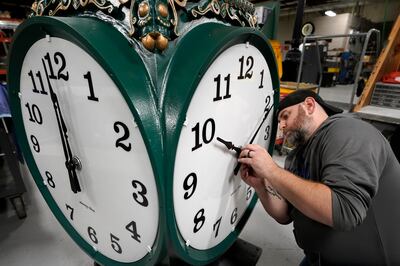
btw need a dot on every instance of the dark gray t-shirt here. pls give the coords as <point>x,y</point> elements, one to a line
<point>356,162</point>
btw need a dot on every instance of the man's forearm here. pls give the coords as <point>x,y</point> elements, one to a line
<point>274,203</point>
<point>312,199</point>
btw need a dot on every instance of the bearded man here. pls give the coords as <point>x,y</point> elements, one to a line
<point>340,185</point>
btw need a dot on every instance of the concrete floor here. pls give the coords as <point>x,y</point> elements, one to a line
<point>38,240</point>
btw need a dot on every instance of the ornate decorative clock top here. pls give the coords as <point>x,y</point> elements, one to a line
<point>153,22</point>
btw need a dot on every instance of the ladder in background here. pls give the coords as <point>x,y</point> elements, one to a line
<point>389,60</point>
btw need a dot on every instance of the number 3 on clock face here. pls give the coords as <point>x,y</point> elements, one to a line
<point>69,110</point>
<point>229,102</point>
<point>233,100</point>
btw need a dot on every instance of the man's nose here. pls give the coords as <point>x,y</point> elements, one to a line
<point>282,125</point>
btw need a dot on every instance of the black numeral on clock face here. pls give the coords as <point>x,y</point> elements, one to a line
<point>266,135</point>
<point>50,180</point>
<point>249,64</point>
<point>216,226</point>
<point>262,80</point>
<point>114,244</point>
<point>131,227</point>
<point>234,216</point>
<point>248,193</point>
<point>140,195</point>
<point>91,97</point>
<point>39,76</point>
<point>58,59</point>
<point>35,115</point>
<point>218,89</point>
<point>190,183</point>
<point>199,220</point>
<point>207,133</point>
<point>71,214</point>
<point>92,235</point>
<point>267,102</point>
<point>120,141</point>
<point>35,143</point>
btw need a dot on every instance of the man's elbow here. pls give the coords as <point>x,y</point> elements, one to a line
<point>348,224</point>
<point>284,219</point>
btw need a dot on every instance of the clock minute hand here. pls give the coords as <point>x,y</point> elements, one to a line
<point>261,124</point>
<point>75,187</point>
<point>236,170</point>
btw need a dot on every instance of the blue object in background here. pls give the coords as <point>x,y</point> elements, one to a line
<point>4,107</point>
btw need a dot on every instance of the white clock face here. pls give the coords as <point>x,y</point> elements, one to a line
<point>117,209</point>
<point>231,101</point>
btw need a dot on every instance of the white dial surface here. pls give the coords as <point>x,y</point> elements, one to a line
<point>116,211</point>
<point>234,102</point>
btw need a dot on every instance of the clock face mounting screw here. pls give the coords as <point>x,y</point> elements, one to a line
<point>48,38</point>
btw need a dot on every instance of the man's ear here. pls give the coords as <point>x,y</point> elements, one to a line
<point>310,105</point>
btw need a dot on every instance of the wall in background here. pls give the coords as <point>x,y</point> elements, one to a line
<point>324,25</point>
<point>340,24</point>
<point>376,11</point>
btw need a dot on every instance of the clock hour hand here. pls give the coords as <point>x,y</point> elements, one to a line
<point>230,146</point>
<point>69,162</point>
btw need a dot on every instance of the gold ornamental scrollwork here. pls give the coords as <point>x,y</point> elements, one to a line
<point>154,23</point>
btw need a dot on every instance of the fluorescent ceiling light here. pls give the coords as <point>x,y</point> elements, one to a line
<point>330,13</point>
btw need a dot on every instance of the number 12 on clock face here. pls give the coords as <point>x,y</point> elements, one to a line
<point>233,102</point>
<point>83,147</point>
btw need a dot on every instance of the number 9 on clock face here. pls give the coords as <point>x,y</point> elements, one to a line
<point>74,109</point>
<point>232,101</point>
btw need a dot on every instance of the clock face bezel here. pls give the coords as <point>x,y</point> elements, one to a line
<point>176,103</point>
<point>89,34</point>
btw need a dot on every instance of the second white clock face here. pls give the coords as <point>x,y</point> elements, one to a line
<point>230,102</point>
<point>117,209</point>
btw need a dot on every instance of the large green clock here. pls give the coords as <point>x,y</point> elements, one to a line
<point>223,88</point>
<point>87,122</point>
<point>135,151</point>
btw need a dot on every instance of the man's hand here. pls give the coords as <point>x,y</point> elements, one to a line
<point>250,179</point>
<point>258,160</point>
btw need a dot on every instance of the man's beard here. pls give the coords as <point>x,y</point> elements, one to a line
<point>299,135</point>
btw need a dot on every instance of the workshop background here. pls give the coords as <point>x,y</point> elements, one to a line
<point>350,56</point>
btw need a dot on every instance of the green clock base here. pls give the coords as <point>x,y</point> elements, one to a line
<point>240,253</point>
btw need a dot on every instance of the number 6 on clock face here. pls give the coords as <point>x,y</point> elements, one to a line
<point>230,102</point>
<point>69,115</point>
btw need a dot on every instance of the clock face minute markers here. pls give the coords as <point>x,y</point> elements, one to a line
<point>209,199</point>
<point>73,130</point>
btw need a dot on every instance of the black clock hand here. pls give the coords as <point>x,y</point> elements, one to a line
<point>261,124</point>
<point>230,146</point>
<point>267,111</point>
<point>75,187</point>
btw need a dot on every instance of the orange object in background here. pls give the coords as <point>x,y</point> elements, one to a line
<point>392,77</point>
<point>276,46</point>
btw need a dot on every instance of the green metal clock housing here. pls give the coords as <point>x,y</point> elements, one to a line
<point>222,82</point>
<point>129,161</point>
<point>68,45</point>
